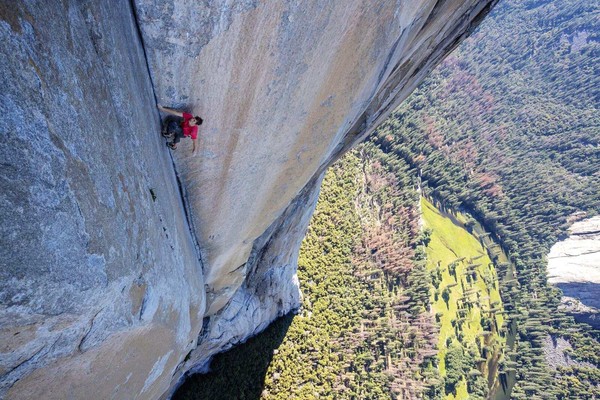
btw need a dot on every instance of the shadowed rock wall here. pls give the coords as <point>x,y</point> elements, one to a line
<point>103,292</point>
<point>101,289</point>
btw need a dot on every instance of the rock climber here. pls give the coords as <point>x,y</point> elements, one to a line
<point>179,125</point>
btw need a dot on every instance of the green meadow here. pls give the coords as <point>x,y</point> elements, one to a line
<point>466,301</point>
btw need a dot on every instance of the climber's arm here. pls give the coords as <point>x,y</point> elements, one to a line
<point>169,111</point>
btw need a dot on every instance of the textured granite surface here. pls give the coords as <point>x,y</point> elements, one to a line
<point>574,267</point>
<point>284,88</point>
<point>101,288</point>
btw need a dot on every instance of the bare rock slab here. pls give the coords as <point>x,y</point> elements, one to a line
<point>574,267</point>
<point>101,287</point>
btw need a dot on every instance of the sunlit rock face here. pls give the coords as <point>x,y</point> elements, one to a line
<point>574,267</point>
<point>112,271</point>
<point>284,88</point>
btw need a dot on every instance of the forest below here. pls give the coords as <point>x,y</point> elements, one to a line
<point>505,131</point>
<point>508,128</point>
<point>364,329</point>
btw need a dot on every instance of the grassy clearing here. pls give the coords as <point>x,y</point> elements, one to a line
<point>465,298</point>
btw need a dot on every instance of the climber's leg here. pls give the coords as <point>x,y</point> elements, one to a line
<point>171,125</point>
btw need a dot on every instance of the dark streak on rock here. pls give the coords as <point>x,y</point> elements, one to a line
<point>86,334</point>
<point>238,268</point>
<point>586,233</point>
<point>33,357</point>
<point>434,11</point>
<point>576,255</point>
<point>204,332</point>
<point>389,60</point>
<point>22,363</point>
<point>143,305</point>
<point>140,37</point>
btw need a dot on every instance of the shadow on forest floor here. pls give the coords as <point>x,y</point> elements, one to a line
<point>240,372</point>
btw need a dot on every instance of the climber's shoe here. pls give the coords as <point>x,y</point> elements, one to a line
<point>172,146</point>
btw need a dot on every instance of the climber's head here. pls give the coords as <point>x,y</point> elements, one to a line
<point>196,121</point>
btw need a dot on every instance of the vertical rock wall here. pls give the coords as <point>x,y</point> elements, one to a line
<point>574,267</point>
<point>284,88</point>
<point>101,289</point>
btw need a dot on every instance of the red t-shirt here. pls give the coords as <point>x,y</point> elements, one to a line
<point>187,129</point>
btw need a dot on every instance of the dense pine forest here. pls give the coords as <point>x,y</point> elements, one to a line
<point>508,128</point>
<point>505,133</point>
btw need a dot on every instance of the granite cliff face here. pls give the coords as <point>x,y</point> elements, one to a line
<point>574,267</point>
<point>123,267</point>
<point>101,286</point>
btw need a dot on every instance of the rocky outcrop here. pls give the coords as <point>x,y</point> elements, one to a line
<point>574,267</point>
<point>556,351</point>
<point>114,268</point>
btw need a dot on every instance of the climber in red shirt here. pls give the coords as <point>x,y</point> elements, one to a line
<point>176,128</point>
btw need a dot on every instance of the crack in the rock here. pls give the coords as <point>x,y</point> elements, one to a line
<point>574,255</point>
<point>24,361</point>
<point>35,355</point>
<point>586,233</point>
<point>182,193</point>
<point>79,346</point>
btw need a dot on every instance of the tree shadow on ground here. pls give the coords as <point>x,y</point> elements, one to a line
<point>240,372</point>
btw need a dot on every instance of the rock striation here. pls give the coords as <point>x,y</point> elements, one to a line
<point>123,266</point>
<point>574,267</point>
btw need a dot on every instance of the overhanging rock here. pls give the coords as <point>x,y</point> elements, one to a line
<point>284,88</point>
